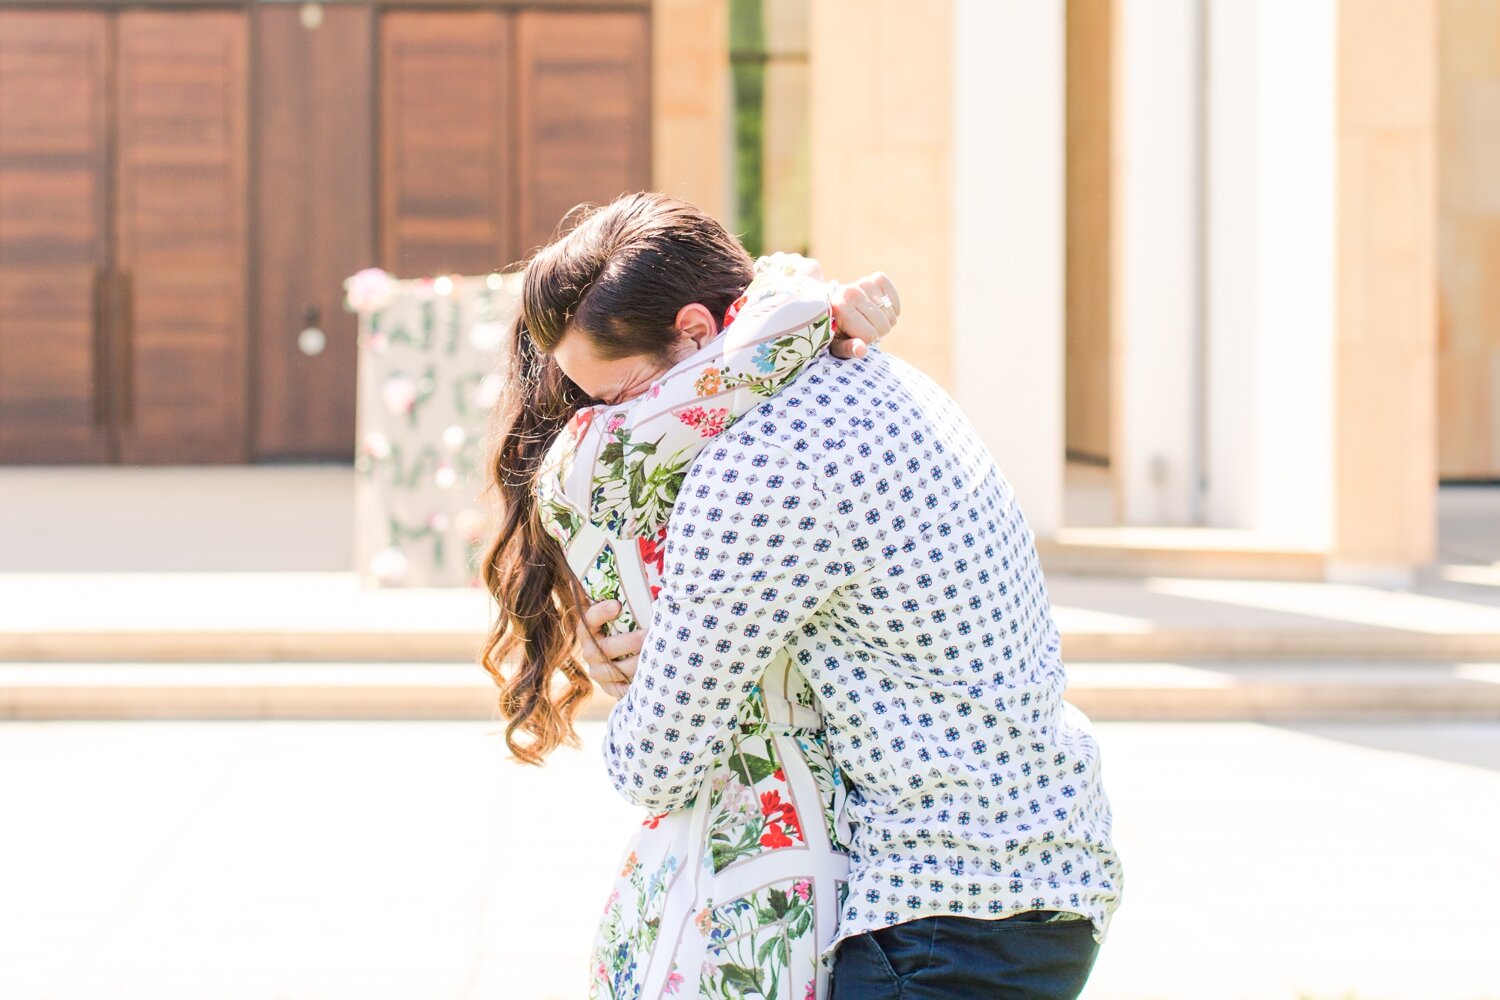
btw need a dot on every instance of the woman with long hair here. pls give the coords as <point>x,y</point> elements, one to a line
<point>645,331</point>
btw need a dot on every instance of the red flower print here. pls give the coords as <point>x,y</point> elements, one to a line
<point>654,550</point>
<point>780,814</point>
<point>655,591</point>
<point>714,422</point>
<point>789,817</point>
<point>779,774</point>
<point>580,423</point>
<point>733,310</point>
<point>653,821</point>
<point>773,837</point>
<point>706,422</point>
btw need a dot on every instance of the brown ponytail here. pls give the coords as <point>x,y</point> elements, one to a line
<point>619,276</point>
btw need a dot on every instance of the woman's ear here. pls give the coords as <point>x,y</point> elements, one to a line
<point>696,323</point>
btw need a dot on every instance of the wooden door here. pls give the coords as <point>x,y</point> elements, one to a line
<point>585,112</point>
<point>447,197</point>
<point>313,171</point>
<point>181,232</point>
<point>54,68</point>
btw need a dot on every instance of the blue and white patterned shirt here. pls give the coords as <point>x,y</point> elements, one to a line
<point>857,520</point>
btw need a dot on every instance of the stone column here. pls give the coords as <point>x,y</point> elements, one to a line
<point>1469,240</point>
<point>1158,256</point>
<point>692,108</point>
<point>1008,241</point>
<point>1270,275</point>
<point>881,89</point>
<point>1385,446</point>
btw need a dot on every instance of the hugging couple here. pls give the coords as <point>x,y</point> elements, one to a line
<point>794,562</point>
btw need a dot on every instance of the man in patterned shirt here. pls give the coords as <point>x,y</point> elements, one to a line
<point>857,520</point>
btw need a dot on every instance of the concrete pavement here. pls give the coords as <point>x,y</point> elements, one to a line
<point>410,861</point>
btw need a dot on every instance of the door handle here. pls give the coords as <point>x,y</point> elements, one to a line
<point>101,347</point>
<point>124,325</point>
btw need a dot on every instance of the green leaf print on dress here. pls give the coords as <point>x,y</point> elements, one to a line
<point>626,936</point>
<point>601,582</point>
<point>750,806</point>
<point>754,944</point>
<point>631,488</point>
<point>830,783</point>
<point>777,362</point>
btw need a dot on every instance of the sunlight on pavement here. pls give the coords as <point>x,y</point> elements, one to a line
<point>1342,603</point>
<point>304,860</point>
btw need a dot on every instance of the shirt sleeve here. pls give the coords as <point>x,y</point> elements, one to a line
<point>752,553</point>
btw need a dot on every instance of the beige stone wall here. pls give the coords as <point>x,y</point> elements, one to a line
<point>1384,422</point>
<point>1090,86</point>
<point>786,137</point>
<point>882,159</point>
<point>1469,239</point>
<point>691,109</point>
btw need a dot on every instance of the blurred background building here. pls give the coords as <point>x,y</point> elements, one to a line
<point>1217,279</point>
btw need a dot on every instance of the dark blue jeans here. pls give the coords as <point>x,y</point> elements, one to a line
<point>957,958</point>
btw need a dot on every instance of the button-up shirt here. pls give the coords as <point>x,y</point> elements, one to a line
<point>856,520</point>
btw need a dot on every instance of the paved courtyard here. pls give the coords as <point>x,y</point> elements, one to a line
<point>302,860</point>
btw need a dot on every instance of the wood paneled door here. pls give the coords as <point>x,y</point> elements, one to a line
<point>123,236</point>
<point>493,124</point>
<point>184,188</point>
<point>584,78</point>
<point>54,86</point>
<point>314,197</point>
<point>181,195</point>
<point>447,198</point>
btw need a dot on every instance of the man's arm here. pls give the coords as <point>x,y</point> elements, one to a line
<point>752,552</point>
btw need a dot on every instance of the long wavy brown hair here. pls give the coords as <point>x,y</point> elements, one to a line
<point>618,275</point>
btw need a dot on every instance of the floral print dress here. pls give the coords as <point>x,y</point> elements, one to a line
<point>737,894</point>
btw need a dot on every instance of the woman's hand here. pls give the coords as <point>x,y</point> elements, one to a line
<point>861,316</point>
<point>611,658</point>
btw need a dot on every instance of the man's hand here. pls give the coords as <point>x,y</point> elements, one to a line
<point>611,658</point>
<point>861,316</point>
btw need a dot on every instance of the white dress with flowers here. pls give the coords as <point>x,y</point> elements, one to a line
<point>737,894</point>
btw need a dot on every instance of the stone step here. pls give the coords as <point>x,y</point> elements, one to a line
<point>1178,552</point>
<point>405,645</point>
<point>333,617</point>
<point>1103,691</point>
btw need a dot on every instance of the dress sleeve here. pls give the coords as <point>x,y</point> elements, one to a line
<point>752,554</point>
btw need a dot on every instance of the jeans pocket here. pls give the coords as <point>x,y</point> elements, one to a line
<point>1048,917</point>
<point>907,948</point>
